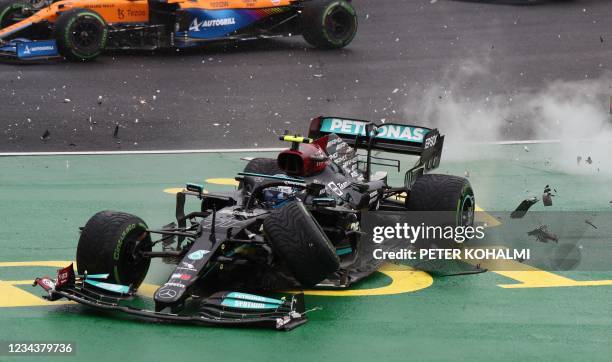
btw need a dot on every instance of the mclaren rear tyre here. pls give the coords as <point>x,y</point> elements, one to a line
<point>81,34</point>
<point>12,12</point>
<point>329,24</point>
<point>448,199</point>
<point>301,244</point>
<point>111,242</point>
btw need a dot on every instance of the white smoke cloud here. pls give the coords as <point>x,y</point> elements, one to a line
<point>575,112</point>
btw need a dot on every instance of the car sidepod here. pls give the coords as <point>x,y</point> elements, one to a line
<point>195,24</point>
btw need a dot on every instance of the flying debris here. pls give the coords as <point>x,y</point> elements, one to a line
<point>523,207</point>
<point>45,135</point>
<point>547,196</point>
<point>590,223</point>
<point>543,235</point>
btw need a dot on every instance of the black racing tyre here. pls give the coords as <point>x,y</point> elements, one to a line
<point>12,12</point>
<point>110,243</point>
<point>329,24</point>
<point>432,192</point>
<point>301,244</point>
<point>451,197</point>
<point>81,34</point>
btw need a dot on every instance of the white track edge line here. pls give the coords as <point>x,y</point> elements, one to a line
<point>136,152</point>
<point>220,150</point>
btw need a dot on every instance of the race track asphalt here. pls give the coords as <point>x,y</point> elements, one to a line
<point>407,53</point>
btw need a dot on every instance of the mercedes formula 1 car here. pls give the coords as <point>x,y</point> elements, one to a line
<point>294,222</point>
<point>81,29</point>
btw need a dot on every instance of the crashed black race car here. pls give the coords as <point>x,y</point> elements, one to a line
<point>293,223</point>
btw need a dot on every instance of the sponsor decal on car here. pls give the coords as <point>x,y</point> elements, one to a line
<point>197,24</point>
<point>396,132</point>
<point>181,276</point>
<point>176,285</point>
<point>198,254</point>
<point>166,293</point>
<point>332,186</point>
<point>35,49</point>
<point>431,141</point>
<point>235,303</point>
<point>253,297</point>
<point>217,23</point>
<point>46,283</point>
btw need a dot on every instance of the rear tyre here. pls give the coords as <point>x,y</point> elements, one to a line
<point>81,34</point>
<point>12,12</point>
<point>329,24</point>
<point>111,242</point>
<point>301,244</point>
<point>451,197</point>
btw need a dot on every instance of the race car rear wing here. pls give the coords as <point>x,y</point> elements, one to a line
<point>391,137</point>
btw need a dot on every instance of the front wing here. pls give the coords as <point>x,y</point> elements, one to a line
<point>219,309</point>
<point>29,50</point>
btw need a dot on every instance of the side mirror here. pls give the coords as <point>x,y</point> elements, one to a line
<point>199,189</point>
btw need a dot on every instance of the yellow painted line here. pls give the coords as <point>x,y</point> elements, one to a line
<point>531,277</point>
<point>12,296</point>
<point>222,181</point>
<point>147,290</point>
<point>542,279</point>
<point>176,190</point>
<point>404,279</point>
<point>49,263</point>
<point>214,181</point>
<point>484,217</point>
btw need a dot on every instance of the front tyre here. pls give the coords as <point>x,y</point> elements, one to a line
<point>81,34</point>
<point>301,244</point>
<point>329,24</point>
<point>112,242</point>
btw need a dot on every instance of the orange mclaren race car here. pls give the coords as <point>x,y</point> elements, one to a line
<point>82,29</point>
